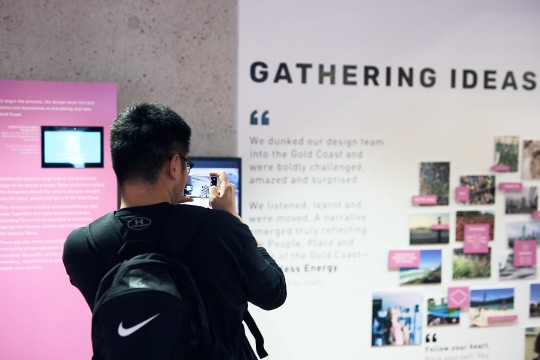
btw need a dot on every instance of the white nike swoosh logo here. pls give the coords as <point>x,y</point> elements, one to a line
<point>126,332</point>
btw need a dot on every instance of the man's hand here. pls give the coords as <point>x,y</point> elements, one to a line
<point>223,196</point>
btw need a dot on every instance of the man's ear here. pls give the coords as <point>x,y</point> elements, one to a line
<point>173,166</point>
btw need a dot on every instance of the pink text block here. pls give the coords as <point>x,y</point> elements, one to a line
<point>403,259</point>
<point>525,253</point>
<point>440,227</point>
<point>424,200</point>
<point>462,194</point>
<point>476,239</point>
<point>511,186</point>
<point>500,168</point>
<point>501,319</point>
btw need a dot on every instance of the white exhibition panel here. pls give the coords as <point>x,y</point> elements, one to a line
<point>340,105</point>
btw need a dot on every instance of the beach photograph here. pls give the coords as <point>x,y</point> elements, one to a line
<point>492,307</point>
<point>429,271</point>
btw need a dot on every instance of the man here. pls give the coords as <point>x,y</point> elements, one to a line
<point>149,148</point>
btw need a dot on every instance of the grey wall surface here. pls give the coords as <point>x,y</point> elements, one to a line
<point>178,52</point>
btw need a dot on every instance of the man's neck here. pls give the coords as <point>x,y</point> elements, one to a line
<point>141,194</point>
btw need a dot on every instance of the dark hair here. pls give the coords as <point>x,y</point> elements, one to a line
<point>143,137</point>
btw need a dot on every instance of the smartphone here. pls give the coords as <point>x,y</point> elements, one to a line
<point>198,186</point>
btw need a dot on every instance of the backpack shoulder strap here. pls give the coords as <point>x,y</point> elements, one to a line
<point>254,330</point>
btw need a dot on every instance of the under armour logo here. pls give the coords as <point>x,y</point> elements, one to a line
<point>139,223</point>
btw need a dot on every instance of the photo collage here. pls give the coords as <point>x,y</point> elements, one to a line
<point>467,233</point>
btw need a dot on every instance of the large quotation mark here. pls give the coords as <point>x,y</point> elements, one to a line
<point>254,119</point>
<point>433,338</point>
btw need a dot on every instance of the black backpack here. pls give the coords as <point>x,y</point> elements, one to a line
<point>148,305</point>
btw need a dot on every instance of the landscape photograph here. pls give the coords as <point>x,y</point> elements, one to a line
<point>429,229</point>
<point>429,271</point>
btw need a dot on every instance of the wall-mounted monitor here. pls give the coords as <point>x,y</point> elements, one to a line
<point>71,147</point>
<point>232,166</point>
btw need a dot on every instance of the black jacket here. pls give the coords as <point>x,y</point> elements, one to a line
<point>223,257</point>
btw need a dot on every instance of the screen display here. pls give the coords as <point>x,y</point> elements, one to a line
<point>232,166</point>
<point>76,147</point>
<point>198,186</point>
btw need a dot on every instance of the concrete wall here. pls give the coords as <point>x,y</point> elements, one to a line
<point>178,52</point>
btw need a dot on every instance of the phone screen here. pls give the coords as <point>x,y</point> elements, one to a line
<point>198,186</point>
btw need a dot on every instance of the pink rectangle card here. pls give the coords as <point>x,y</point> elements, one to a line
<point>458,297</point>
<point>462,194</point>
<point>403,259</point>
<point>476,239</point>
<point>511,186</point>
<point>500,168</point>
<point>525,253</point>
<point>502,319</point>
<point>424,200</point>
<point>440,227</point>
